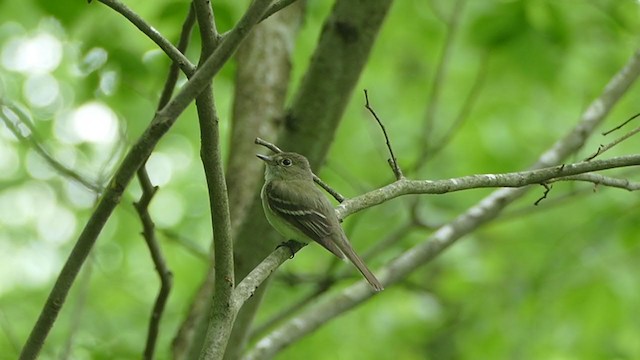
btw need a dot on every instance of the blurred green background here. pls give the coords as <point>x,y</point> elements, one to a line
<point>556,281</point>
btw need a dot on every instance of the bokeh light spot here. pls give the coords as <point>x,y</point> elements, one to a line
<point>41,90</point>
<point>95,122</point>
<point>38,54</point>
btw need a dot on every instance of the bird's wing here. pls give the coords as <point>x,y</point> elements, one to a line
<point>309,216</point>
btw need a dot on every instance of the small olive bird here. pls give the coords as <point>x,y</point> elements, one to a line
<point>298,210</point>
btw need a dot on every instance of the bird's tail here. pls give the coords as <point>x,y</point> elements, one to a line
<point>348,251</point>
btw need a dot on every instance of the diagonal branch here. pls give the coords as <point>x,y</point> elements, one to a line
<point>172,52</point>
<point>33,141</point>
<point>479,214</point>
<point>135,158</point>
<point>148,191</point>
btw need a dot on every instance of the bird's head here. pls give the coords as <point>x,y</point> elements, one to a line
<point>287,166</point>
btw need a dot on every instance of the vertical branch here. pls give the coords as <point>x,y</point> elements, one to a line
<point>142,206</point>
<point>166,277</point>
<point>436,86</point>
<point>485,210</point>
<point>393,162</point>
<point>135,158</point>
<point>309,125</point>
<point>222,316</point>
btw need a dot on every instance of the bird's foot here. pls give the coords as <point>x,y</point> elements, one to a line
<point>293,246</point>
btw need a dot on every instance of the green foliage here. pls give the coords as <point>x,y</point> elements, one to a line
<point>558,282</point>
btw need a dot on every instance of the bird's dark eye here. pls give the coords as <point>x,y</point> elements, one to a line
<point>286,162</point>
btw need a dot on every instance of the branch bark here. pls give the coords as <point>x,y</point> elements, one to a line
<point>485,210</point>
<point>309,126</point>
<point>161,123</point>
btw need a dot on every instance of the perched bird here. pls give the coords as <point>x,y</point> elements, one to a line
<point>298,210</point>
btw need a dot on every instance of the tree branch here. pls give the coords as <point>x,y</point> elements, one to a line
<point>433,101</point>
<point>166,277</point>
<point>484,211</point>
<point>513,180</point>
<point>172,52</point>
<point>33,141</point>
<point>393,162</point>
<point>221,320</point>
<point>260,273</point>
<point>275,7</point>
<point>598,180</point>
<point>161,123</point>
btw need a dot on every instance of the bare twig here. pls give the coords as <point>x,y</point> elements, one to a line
<point>485,210</point>
<point>135,158</point>
<point>290,310</point>
<point>437,85</point>
<point>513,180</point>
<point>621,125</point>
<point>336,195</point>
<point>174,54</point>
<point>268,145</point>
<point>393,162</point>
<point>33,141</point>
<point>547,189</point>
<point>275,7</point>
<point>189,245</point>
<point>183,43</point>
<point>9,335</point>
<point>166,277</point>
<point>148,191</point>
<point>598,179</point>
<point>602,148</point>
<point>463,114</point>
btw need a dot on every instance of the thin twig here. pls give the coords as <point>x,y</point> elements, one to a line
<point>290,310</point>
<point>336,195</point>
<point>547,189</point>
<point>166,277</point>
<point>268,145</point>
<point>602,148</point>
<point>621,125</point>
<point>486,210</point>
<point>172,52</point>
<point>33,141</point>
<point>9,334</point>
<point>463,114</point>
<point>393,162</point>
<point>598,180</point>
<point>437,84</point>
<point>512,180</point>
<point>148,191</point>
<point>135,158</point>
<point>189,245</point>
<point>275,7</point>
<point>183,43</point>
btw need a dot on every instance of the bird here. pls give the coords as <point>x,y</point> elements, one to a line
<point>298,210</point>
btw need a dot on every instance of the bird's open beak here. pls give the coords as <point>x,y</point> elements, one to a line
<point>264,158</point>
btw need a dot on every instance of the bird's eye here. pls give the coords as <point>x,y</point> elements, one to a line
<point>286,162</point>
